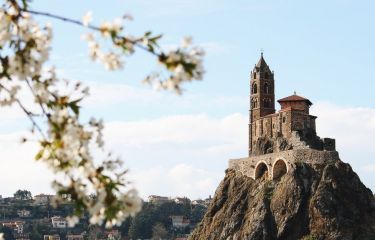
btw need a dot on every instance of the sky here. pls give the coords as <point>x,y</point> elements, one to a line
<point>180,145</point>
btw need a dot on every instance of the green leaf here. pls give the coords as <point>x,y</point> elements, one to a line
<point>74,106</point>
<point>39,155</point>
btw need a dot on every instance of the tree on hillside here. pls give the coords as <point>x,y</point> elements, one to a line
<point>197,213</point>
<point>159,232</point>
<point>65,140</point>
<point>23,195</point>
<point>7,233</point>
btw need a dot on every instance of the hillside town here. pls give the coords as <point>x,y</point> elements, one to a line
<point>27,217</point>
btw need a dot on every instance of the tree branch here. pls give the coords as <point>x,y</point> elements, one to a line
<point>27,112</point>
<point>92,27</point>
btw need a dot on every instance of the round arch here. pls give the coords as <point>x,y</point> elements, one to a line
<point>261,169</point>
<point>279,168</point>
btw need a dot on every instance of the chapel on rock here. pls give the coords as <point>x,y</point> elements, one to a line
<point>277,140</point>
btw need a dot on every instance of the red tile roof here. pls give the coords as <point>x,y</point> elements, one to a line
<point>294,98</point>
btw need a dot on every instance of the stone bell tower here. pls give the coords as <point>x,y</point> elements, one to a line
<point>262,94</point>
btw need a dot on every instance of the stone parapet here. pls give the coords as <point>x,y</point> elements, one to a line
<point>247,166</point>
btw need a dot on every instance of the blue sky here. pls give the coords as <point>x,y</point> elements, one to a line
<point>179,145</point>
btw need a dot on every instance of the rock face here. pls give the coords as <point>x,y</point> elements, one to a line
<point>297,140</point>
<point>314,201</point>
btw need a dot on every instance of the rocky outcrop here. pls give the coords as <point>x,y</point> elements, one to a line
<point>298,140</point>
<point>313,201</point>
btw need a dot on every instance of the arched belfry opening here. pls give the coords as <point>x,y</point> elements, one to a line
<point>261,170</point>
<point>279,169</point>
<point>255,88</point>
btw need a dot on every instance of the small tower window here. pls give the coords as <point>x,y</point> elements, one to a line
<point>267,103</point>
<point>284,119</point>
<point>254,75</point>
<point>255,88</point>
<point>266,75</point>
<point>254,103</point>
<point>266,88</point>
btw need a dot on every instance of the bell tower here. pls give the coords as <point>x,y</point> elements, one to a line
<point>262,95</point>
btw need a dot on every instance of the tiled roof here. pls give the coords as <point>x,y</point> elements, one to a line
<point>294,98</point>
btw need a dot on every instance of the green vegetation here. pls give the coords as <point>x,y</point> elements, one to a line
<point>154,219</point>
<point>310,237</point>
<point>152,222</point>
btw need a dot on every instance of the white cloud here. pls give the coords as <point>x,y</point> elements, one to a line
<point>186,155</point>
<point>106,94</point>
<point>354,131</point>
<point>353,127</point>
<point>216,48</point>
<point>110,94</point>
<point>179,180</point>
<point>19,170</point>
<point>181,129</point>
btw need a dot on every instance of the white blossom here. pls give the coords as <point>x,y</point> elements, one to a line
<point>112,61</point>
<point>87,18</point>
<point>186,42</point>
<point>107,28</point>
<point>72,220</point>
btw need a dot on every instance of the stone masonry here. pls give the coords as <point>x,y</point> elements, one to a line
<point>278,140</point>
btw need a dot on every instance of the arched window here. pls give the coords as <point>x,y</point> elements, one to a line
<point>266,88</point>
<point>254,103</point>
<point>266,75</point>
<point>279,169</point>
<point>254,75</point>
<point>255,88</point>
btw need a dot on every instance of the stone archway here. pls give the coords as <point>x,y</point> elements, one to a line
<point>279,169</point>
<point>261,170</point>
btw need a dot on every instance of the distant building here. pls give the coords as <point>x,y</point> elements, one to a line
<point>180,221</point>
<point>42,199</point>
<point>16,226</point>
<point>21,236</point>
<point>51,237</point>
<point>59,222</point>
<point>208,201</point>
<point>113,234</point>
<point>74,237</point>
<point>182,200</point>
<point>203,202</point>
<point>158,199</point>
<point>198,202</point>
<point>23,213</point>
